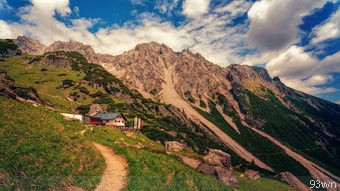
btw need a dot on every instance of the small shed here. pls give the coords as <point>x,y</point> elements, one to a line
<point>108,119</point>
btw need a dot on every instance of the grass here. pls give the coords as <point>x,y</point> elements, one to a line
<point>262,148</point>
<point>262,184</point>
<point>156,171</point>
<point>68,152</point>
<point>40,151</point>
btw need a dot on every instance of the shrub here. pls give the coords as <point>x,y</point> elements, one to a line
<point>83,109</point>
<point>84,90</point>
<point>67,83</point>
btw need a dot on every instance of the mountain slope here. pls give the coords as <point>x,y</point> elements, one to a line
<point>238,93</point>
<point>231,101</point>
<point>64,81</point>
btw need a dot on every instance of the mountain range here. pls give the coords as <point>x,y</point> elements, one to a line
<point>254,116</point>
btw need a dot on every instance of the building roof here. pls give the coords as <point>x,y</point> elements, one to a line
<point>108,116</point>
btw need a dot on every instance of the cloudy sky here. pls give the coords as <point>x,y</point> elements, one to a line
<point>297,40</point>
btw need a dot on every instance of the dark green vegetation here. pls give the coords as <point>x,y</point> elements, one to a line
<point>267,113</point>
<point>69,159</point>
<point>89,83</point>
<point>290,127</point>
<point>262,148</point>
<point>40,151</point>
<point>8,48</point>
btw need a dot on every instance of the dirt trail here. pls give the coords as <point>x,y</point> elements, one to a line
<point>317,172</point>
<point>170,96</point>
<point>114,177</point>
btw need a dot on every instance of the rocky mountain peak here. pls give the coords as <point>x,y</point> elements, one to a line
<point>29,45</point>
<point>70,46</point>
<point>243,72</point>
<point>153,47</point>
<point>85,50</point>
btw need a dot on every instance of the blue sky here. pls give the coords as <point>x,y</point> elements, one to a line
<point>299,41</point>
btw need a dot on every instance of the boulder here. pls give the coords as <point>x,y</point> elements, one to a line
<point>226,176</point>
<point>175,145</point>
<point>218,157</point>
<point>193,163</point>
<point>206,169</point>
<point>96,108</point>
<point>290,179</point>
<point>252,174</point>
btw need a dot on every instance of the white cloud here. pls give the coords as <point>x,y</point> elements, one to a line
<point>330,64</point>
<point>318,79</point>
<point>337,102</point>
<point>195,8</point>
<point>235,8</point>
<point>166,6</point>
<point>302,71</point>
<point>211,35</point>
<point>274,23</point>
<point>300,85</point>
<point>330,29</point>
<point>292,63</point>
<point>5,30</point>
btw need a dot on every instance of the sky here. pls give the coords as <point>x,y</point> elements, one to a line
<point>299,41</point>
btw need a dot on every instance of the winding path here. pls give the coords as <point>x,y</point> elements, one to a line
<point>114,177</point>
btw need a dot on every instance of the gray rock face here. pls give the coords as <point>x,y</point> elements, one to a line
<point>207,169</point>
<point>9,89</point>
<point>193,163</point>
<point>290,179</point>
<point>83,49</point>
<point>252,174</point>
<point>8,48</point>
<point>226,176</point>
<point>175,146</point>
<point>29,45</point>
<point>96,108</point>
<point>214,164</point>
<point>218,158</point>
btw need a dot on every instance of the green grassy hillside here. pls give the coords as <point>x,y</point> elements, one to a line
<point>101,87</point>
<point>149,169</point>
<point>40,151</point>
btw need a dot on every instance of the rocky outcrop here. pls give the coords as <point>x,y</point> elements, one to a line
<point>218,158</point>
<point>290,179</point>
<point>214,163</point>
<point>252,174</point>
<point>83,49</point>
<point>9,89</point>
<point>175,146</point>
<point>8,48</point>
<point>193,163</point>
<point>96,108</point>
<point>29,45</point>
<point>53,60</point>
<point>226,176</point>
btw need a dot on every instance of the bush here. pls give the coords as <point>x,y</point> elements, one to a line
<point>202,104</point>
<point>67,83</point>
<point>83,109</point>
<point>84,90</point>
